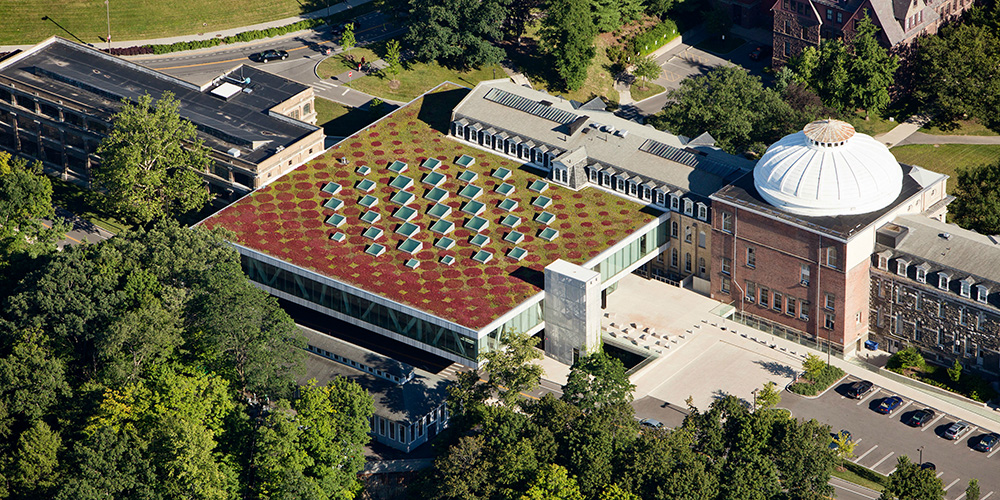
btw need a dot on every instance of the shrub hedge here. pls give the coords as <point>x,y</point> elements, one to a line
<point>865,472</point>
<point>653,38</point>
<point>815,385</point>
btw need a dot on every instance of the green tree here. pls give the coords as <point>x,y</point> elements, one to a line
<point>718,21</point>
<point>150,162</point>
<point>32,380</point>
<point>956,74</point>
<point>730,104</point>
<point>813,365</point>
<point>845,445</point>
<point>597,381</point>
<point>972,491</point>
<point>25,197</point>
<point>615,492</point>
<point>977,198</point>
<point>109,464</point>
<point>872,68</point>
<point>832,76</point>
<point>906,358</point>
<point>647,69</point>
<point>347,40</point>
<point>392,58</point>
<point>804,65</point>
<point>457,33</point>
<point>33,469</point>
<point>768,397</point>
<point>955,372</point>
<point>909,482</point>
<point>553,482</point>
<point>801,451</point>
<point>511,366</point>
<point>568,36</point>
<point>519,15</point>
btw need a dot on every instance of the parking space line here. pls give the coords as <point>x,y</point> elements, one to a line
<point>994,452</point>
<point>902,408</point>
<point>865,454</point>
<point>946,488</point>
<point>930,424</point>
<point>891,453</point>
<point>939,474</point>
<point>968,433</point>
<point>987,496</point>
<point>870,394</point>
<point>345,91</point>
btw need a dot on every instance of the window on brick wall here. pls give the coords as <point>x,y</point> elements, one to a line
<point>702,269</point>
<point>829,14</point>
<point>727,222</point>
<point>788,49</point>
<point>727,266</point>
<point>765,299</point>
<point>751,257</point>
<point>829,301</point>
<point>725,285</point>
<point>674,229</point>
<point>687,262</point>
<point>701,239</point>
<point>840,17</point>
<point>804,310</point>
<point>831,257</point>
<point>828,321</point>
<point>751,292</point>
<point>790,306</point>
<point>777,301</point>
<point>674,257</point>
<point>687,234</point>
<point>804,274</point>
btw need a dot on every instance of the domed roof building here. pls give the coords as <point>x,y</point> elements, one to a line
<point>828,169</point>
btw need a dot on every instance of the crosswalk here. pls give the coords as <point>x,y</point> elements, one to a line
<point>451,372</point>
<point>325,85</point>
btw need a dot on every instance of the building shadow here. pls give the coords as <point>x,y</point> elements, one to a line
<point>68,32</point>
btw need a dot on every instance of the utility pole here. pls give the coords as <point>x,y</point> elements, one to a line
<point>107,5</point>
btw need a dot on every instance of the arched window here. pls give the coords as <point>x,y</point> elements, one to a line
<point>674,227</point>
<point>673,257</point>
<point>687,262</point>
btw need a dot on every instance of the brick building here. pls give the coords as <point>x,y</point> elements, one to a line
<point>792,243</point>
<point>937,287</point>
<point>800,23</point>
<point>57,100</point>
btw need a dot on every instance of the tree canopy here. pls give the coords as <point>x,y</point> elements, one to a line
<point>459,33</point>
<point>568,33</point>
<point>910,482</point>
<point>150,162</point>
<point>977,199</point>
<point>25,199</point>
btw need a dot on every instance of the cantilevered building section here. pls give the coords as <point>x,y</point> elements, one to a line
<point>57,100</point>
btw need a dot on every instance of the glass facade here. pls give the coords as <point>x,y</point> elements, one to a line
<point>365,310</point>
<point>633,252</point>
<point>522,323</point>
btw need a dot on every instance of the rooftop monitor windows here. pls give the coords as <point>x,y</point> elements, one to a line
<point>943,279</point>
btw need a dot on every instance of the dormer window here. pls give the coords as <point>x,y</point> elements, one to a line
<point>943,280</point>
<point>922,273</point>
<point>660,198</point>
<point>982,293</point>
<point>605,179</point>
<point>620,185</point>
<point>688,207</point>
<point>593,176</point>
<point>966,290</point>
<point>702,211</point>
<point>645,193</point>
<point>632,188</point>
<point>901,266</point>
<point>883,262</point>
<point>675,202</point>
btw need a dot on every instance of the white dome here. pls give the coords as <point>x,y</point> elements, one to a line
<point>826,170</point>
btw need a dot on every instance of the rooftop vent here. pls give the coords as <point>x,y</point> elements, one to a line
<point>545,103</point>
<point>235,153</point>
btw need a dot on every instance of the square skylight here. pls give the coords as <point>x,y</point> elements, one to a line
<point>471,192</point>
<point>405,214</point>
<point>408,229</point>
<point>333,204</point>
<point>431,163</point>
<point>473,207</point>
<point>468,176</point>
<point>442,226</point>
<point>411,246</point>
<point>545,218</point>
<point>480,240</point>
<point>402,198</point>
<point>478,224</point>
<point>437,195</point>
<point>332,188</point>
<point>505,189</point>
<point>548,234</point>
<point>371,217</point>
<point>401,183</point>
<point>511,221</point>
<point>363,170</point>
<point>517,253</point>
<point>366,185</point>
<point>439,210</point>
<point>368,201</point>
<point>514,237</point>
<point>465,161</point>
<point>542,202</point>
<point>336,220</point>
<point>447,260</point>
<point>398,167</point>
<point>434,179</point>
<point>375,249</point>
<point>482,257</point>
<point>413,263</point>
<point>501,173</point>
<point>444,243</point>
<point>539,186</point>
<point>338,236</point>
<point>508,205</point>
<point>372,233</point>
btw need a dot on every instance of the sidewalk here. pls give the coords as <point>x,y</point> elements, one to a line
<point>900,132</point>
<point>922,138</point>
<point>347,4</point>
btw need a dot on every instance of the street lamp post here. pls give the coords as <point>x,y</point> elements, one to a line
<point>755,399</point>
<point>921,450</point>
<point>107,5</point>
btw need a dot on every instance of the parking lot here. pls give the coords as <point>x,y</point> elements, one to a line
<point>881,439</point>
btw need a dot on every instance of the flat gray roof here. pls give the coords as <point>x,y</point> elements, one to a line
<point>964,251</point>
<point>546,119</point>
<point>96,79</point>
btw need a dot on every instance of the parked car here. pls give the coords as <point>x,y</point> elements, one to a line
<point>860,389</point>
<point>921,417</point>
<point>890,404</point>
<point>761,52</point>
<point>847,439</point>
<point>928,466</point>
<point>650,423</point>
<point>956,430</point>
<point>987,442</point>
<point>271,55</point>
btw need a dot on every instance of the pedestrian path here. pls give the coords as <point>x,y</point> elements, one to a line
<point>905,129</point>
<point>924,138</point>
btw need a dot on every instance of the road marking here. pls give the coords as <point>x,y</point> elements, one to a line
<point>930,424</point>
<point>866,398</point>
<point>65,235</point>
<point>987,496</point>
<point>891,453</point>
<point>946,488</point>
<point>939,474</point>
<point>344,92</point>
<point>858,441</point>
<point>865,454</point>
<point>967,433</point>
<point>994,452</point>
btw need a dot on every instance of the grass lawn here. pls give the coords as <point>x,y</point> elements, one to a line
<point>947,158</point>
<point>81,202</point>
<point>529,59</point>
<point>962,127</point>
<point>338,120</point>
<point>849,475</point>
<point>720,46</point>
<point>415,79</point>
<point>639,93</point>
<point>31,21</point>
<point>873,126</point>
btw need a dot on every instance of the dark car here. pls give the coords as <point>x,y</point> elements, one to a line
<point>759,53</point>
<point>846,437</point>
<point>956,430</point>
<point>987,442</point>
<point>921,417</point>
<point>928,466</point>
<point>860,389</point>
<point>271,55</point>
<point>890,404</point>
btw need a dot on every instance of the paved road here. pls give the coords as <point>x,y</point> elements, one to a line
<point>882,439</point>
<point>923,138</point>
<point>81,230</point>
